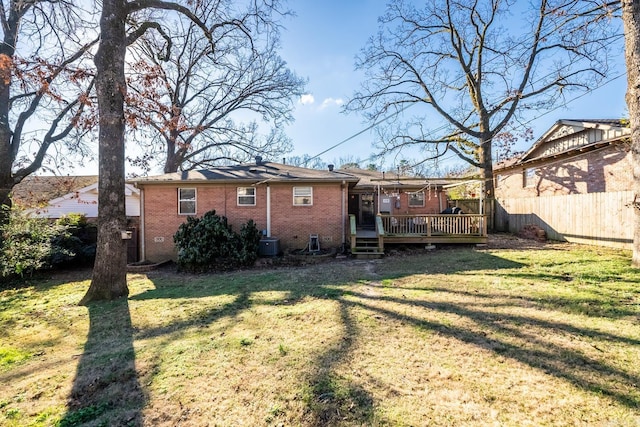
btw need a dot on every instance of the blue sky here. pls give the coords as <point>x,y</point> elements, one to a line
<point>321,43</point>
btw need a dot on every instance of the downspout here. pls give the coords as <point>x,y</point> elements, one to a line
<point>268,211</point>
<point>481,200</point>
<point>344,217</point>
<point>143,255</point>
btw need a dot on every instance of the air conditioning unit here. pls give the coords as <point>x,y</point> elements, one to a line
<point>269,247</point>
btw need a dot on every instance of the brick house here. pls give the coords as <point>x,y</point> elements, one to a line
<point>575,183</point>
<point>286,202</point>
<point>573,157</point>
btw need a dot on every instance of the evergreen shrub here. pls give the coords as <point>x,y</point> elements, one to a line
<point>209,243</point>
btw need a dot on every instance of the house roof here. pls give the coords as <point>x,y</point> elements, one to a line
<point>254,173</point>
<point>36,190</point>
<point>569,128</point>
<point>369,178</point>
<point>277,172</point>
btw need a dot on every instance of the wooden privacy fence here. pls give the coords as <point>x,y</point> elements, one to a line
<point>604,219</point>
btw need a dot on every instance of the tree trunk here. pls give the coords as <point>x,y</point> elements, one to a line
<point>109,279</point>
<point>631,19</point>
<point>7,50</point>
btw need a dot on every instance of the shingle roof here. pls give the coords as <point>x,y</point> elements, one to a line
<point>255,173</point>
<point>369,178</point>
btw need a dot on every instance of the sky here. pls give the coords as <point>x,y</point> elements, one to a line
<point>321,43</point>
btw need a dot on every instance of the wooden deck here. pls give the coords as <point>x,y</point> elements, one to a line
<point>420,229</point>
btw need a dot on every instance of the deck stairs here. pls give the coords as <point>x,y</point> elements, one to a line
<point>367,245</point>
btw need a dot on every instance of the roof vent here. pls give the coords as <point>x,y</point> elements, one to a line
<point>258,160</point>
<point>330,168</point>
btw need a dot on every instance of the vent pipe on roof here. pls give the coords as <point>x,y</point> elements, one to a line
<point>330,168</point>
<point>258,160</point>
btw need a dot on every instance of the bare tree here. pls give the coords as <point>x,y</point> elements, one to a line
<point>631,19</point>
<point>109,279</point>
<point>479,65</point>
<point>199,105</point>
<point>45,83</point>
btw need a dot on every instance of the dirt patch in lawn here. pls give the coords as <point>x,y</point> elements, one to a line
<point>511,241</point>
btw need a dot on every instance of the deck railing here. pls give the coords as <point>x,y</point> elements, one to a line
<point>352,231</point>
<point>435,224</point>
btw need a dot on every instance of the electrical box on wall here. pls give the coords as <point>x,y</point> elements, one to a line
<point>385,204</point>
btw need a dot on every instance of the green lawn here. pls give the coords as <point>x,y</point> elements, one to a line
<point>547,336</point>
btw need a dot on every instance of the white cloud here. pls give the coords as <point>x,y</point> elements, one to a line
<point>330,102</point>
<point>307,99</point>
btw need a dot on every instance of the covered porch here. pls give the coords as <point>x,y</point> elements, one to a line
<point>427,229</point>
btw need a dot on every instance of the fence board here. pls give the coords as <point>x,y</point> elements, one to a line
<point>604,219</point>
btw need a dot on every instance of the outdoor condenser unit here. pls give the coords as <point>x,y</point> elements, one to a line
<point>269,247</point>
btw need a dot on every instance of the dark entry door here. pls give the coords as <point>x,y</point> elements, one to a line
<point>367,210</point>
<point>363,207</point>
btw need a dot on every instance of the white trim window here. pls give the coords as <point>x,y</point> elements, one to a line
<point>186,201</point>
<point>302,196</point>
<point>416,199</point>
<point>530,176</point>
<point>246,196</point>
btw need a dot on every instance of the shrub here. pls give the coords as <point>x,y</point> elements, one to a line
<point>249,243</point>
<point>78,240</point>
<point>209,242</point>
<point>32,244</point>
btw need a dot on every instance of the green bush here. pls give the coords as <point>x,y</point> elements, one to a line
<point>32,244</point>
<point>209,243</point>
<point>78,242</point>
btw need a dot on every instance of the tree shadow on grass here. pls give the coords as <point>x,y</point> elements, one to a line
<point>106,389</point>
<point>331,398</point>
<point>585,372</point>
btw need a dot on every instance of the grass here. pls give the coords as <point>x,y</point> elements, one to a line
<point>545,336</point>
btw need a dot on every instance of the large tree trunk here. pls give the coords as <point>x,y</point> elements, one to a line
<point>110,270</point>
<point>7,50</point>
<point>631,19</point>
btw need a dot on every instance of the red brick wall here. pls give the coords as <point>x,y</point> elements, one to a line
<point>607,169</point>
<point>291,224</point>
<point>434,202</point>
<point>431,204</point>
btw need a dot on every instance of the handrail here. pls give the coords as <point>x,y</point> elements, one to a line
<point>379,226</point>
<point>353,231</point>
<point>380,233</point>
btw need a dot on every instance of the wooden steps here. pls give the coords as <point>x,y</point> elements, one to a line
<point>367,248</point>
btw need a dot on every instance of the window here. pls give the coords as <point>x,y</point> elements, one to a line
<point>302,196</point>
<point>529,177</point>
<point>246,196</point>
<point>186,201</point>
<point>416,200</point>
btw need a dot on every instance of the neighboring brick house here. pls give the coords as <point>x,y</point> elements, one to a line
<point>287,202</point>
<point>573,157</point>
<point>574,183</point>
